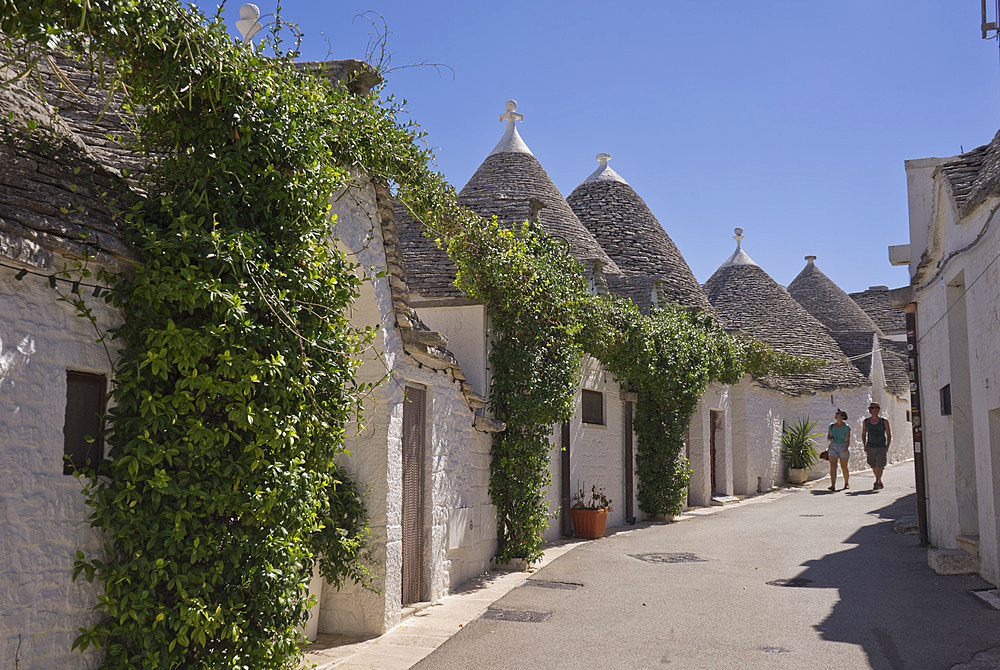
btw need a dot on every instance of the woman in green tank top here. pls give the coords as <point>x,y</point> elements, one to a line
<point>839,435</point>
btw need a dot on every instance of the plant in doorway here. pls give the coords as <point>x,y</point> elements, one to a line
<point>798,450</point>
<point>590,513</point>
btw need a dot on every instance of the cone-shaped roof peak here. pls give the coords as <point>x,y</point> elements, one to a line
<point>739,256</point>
<point>511,141</point>
<point>624,226</point>
<point>826,301</point>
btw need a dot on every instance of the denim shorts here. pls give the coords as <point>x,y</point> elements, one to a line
<point>838,451</point>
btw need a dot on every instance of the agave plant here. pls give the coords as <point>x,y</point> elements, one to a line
<point>797,446</point>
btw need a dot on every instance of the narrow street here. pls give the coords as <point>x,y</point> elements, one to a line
<point>702,597</point>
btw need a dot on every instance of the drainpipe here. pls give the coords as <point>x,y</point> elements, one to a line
<point>916,421</point>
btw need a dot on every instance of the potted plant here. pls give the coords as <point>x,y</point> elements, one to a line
<point>590,513</point>
<point>798,449</point>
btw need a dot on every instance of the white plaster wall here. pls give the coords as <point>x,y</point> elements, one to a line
<point>982,296</point>
<point>758,416</point>
<point>465,327</point>
<point>597,453</point>
<point>820,408</point>
<point>983,301</point>
<point>764,411</point>
<point>938,449</point>
<point>716,397</point>
<point>921,203</point>
<point>459,521</point>
<point>43,518</point>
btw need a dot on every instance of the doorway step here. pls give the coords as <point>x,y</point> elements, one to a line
<point>961,561</point>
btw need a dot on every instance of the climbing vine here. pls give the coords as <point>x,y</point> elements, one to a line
<point>543,320</point>
<point>668,358</point>
<point>534,291</point>
<point>235,366</point>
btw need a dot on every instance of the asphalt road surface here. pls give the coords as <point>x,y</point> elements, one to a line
<point>696,594</point>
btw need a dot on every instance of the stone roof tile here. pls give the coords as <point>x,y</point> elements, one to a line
<point>827,302</point>
<point>974,176</point>
<point>512,185</point>
<point>747,300</point>
<point>626,229</point>
<point>875,302</point>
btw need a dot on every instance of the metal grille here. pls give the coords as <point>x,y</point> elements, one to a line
<point>811,515</point>
<point>513,615</point>
<point>414,411</point>
<point>669,558</point>
<point>794,582</point>
<point>542,583</point>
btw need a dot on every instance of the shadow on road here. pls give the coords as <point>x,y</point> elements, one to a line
<point>894,606</point>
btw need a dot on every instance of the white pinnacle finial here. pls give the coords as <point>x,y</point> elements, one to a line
<point>248,25</point>
<point>511,115</point>
<point>603,172</point>
<point>739,256</point>
<point>511,142</point>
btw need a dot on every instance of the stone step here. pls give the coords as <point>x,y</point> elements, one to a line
<point>952,561</point>
<point>968,543</point>
<point>724,500</point>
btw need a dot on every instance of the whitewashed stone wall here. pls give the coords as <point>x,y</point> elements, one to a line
<point>460,522</point>
<point>465,326</point>
<point>43,518</point>
<point>820,408</point>
<point>758,417</point>
<point>952,484</point>
<point>716,398</point>
<point>597,453</point>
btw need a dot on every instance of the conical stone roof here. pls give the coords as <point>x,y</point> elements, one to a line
<point>626,229</point>
<point>748,300</point>
<point>875,302</point>
<point>513,186</point>
<point>828,302</point>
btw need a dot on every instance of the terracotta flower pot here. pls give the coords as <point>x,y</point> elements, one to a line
<point>589,523</point>
<point>797,476</point>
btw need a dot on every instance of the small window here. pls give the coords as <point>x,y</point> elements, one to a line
<point>907,416</point>
<point>945,394</point>
<point>593,407</point>
<point>82,442</point>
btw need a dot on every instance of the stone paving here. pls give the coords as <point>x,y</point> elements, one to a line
<point>427,629</point>
<point>433,624</point>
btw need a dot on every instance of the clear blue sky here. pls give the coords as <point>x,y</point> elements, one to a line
<point>790,119</point>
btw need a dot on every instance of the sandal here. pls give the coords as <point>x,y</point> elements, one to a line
<point>832,488</point>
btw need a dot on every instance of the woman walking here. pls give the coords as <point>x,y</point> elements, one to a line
<point>839,435</point>
<point>876,436</point>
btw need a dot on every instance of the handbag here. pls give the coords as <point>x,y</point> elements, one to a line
<point>825,454</point>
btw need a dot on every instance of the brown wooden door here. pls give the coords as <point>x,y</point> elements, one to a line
<point>713,423</point>
<point>414,430</point>
<point>629,463</point>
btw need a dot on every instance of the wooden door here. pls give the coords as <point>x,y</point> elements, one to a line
<point>629,463</point>
<point>414,430</point>
<point>714,422</point>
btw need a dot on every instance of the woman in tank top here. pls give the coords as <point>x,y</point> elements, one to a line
<point>839,435</point>
<point>876,436</point>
